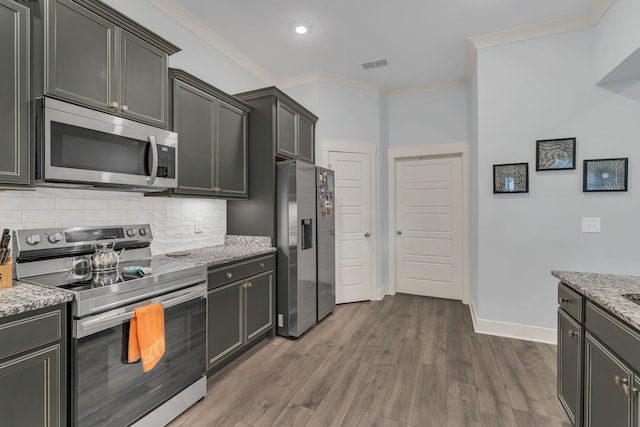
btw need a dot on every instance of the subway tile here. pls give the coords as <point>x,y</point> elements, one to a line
<point>167,240</point>
<point>52,215</point>
<point>10,203</point>
<point>166,222</point>
<point>180,230</point>
<point>10,193</point>
<point>63,193</point>
<point>139,205</point>
<point>39,203</point>
<point>107,215</point>
<point>13,216</point>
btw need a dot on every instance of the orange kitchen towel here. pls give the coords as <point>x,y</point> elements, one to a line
<point>146,335</point>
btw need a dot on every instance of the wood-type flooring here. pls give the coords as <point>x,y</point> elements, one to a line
<point>403,361</point>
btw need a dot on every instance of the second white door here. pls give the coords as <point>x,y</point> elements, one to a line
<point>429,226</point>
<point>354,238</point>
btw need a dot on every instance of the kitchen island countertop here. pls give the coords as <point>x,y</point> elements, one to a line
<point>23,297</point>
<point>235,248</point>
<point>606,290</point>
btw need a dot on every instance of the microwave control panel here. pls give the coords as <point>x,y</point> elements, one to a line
<point>166,162</point>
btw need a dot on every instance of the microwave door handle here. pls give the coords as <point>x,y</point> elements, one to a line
<point>154,160</point>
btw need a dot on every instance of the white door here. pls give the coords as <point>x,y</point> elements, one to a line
<point>429,226</point>
<point>354,243</point>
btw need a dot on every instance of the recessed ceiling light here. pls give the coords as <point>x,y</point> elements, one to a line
<point>301,29</point>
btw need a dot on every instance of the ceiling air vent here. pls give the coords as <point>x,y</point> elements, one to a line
<point>375,64</point>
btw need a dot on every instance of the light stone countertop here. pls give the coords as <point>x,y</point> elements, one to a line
<point>606,290</point>
<point>236,248</point>
<point>22,297</point>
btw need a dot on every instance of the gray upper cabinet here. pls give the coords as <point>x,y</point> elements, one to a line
<point>287,130</point>
<point>306,139</point>
<point>212,156</point>
<point>14,93</point>
<point>96,57</point>
<point>295,133</point>
<point>143,81</point>
<point>91,80</point>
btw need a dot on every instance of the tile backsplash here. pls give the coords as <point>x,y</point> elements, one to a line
<point>172,219</point>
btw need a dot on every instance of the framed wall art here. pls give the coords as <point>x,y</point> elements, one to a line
<point>605,175</point>
<point>511,178</point>
<point>555,154</point>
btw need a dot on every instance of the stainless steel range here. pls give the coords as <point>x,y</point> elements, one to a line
<point>105,389</point>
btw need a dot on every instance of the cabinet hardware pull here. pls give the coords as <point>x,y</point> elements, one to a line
<point>399,232</point>
<point>563,300</point>
<point>229,275</point>
<point>367,234</point>
<point>624,383</point>
<point>248,284</point>
<point>125,108</point>
<point>261,265</point>
<point>113,104</point>
<point>573,334</point>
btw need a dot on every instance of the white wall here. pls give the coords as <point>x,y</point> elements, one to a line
<point>474,226</point>
<point>539,89</point>
<point>171,220</point>
<point>435,117</point>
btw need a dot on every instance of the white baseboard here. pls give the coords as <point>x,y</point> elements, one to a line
<point>378,294</point>
<point>512,330</point>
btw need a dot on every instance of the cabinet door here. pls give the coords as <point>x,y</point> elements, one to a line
<point>224,321</point>
<point>286,138</point>
<point>231,143</point>
<point>569,365</point>
<point>193,119</point>
<point>306,143</point>
<point>30,389</point>
<point>80,56</point>
<point>14,93</point>
<point>258,304</point>
<point>143,81</point>
<point>605,400</point>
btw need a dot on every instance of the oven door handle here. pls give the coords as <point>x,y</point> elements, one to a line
<point>100,322</point>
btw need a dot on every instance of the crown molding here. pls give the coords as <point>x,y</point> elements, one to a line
<point>199,28</point>
<point>322,77</point>
<point>415,90</point>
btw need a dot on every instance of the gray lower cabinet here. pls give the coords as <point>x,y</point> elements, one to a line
<point>212,157</point>
<point>32,368</point>
<point>570,365</point>
<point>14,93</point>
<point>610,389</point>
<point>240,309</point>
<point>97,57</point>
<point>598,363</point>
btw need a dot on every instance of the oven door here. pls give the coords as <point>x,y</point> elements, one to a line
<point>79,145</point>
<point>108,391</point>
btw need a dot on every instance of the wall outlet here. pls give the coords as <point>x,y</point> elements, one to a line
<point>590,225</point>
<point>197,225</point>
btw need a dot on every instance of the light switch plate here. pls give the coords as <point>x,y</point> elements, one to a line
<point>590,225</point>
<point>197,225</point>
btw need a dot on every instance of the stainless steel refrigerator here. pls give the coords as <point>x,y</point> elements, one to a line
<point>302,299</point>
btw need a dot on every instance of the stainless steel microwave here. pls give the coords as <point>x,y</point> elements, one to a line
<point>80,147</point>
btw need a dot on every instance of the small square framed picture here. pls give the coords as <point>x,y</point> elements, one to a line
<point>555,154</point>
<point>511,178</point>
<point>605,175</point>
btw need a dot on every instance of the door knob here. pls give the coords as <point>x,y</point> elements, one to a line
<point>399,232</point>
<point>367,234</point>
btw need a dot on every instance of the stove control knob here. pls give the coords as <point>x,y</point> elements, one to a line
<point>143,231</point>
<point>131,232</point>
<point>55,237</point>
<point>33,239</point>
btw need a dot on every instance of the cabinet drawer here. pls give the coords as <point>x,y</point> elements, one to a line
<point>238,271</point>
<point>28,332</point>
<point>570,301</point>
<point>614,334</point>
